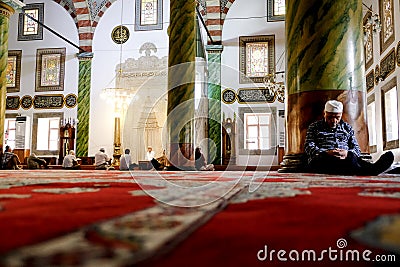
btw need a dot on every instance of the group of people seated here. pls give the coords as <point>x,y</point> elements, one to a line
<point>10,161</point>
<point>162,163</point>
<point>331,147</point>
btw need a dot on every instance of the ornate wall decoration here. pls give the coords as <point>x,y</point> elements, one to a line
<point>387,19</point>
<point>398,54</point>
<point>388,64</point>
<point>255,95</point>
<point>13,71</point>
<point>50,64</point>
<point>257,57</point>
<point>28,29</point>
<point>228,96</point>
<point>377,74</point>
<point>370,80</point>
<point>48,101</point>
<point>368,42</point>
<point>120,34</point>
<point>12,103</point>
<point>276,10</point>
<point>148,15</point>
<point>70,100</point>
<point>26,102</point>
<point>280,94</point>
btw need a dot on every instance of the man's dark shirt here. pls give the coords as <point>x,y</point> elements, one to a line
<point>320,137</point>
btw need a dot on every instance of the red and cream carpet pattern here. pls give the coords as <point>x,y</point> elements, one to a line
<point>149,218</point>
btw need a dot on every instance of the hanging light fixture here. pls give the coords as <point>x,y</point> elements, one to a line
<point>273,87</point>
<point>373,22</point>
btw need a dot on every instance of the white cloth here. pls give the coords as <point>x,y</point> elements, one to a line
<point>334,106</point>
<point>150,155</point>
<point>100,158</point>
<point>125,162</point>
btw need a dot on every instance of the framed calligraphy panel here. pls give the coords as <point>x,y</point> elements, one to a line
<point>13,71</point>
<point>12,102</point>
<point>50,65</point>
<point>387,20</point>
<point>28,28</point>
<point>48,101</point>
<point>257,58</point>
<point>368,44</point>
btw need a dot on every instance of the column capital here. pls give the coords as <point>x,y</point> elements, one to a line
<point>214,48</point>
<point>85,55</point>
<point>8,7</point>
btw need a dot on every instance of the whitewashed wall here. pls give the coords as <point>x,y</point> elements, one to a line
<point>377,88</point>
<point>107,55</point>
<point>60,21</point>
<point>248,18</point>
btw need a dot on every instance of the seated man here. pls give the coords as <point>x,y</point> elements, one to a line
<point>332,148</point>
<point>126,161</point>
<point>33,162</point>
<point>102,161</point>
<point>200,161</point>
<point>70,161</point>
<point>9,160</point>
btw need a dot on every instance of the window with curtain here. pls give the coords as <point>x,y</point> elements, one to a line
<point>257,130</point>
<point>372,130</point>
<point>48,133</point>
<point>9,132</point>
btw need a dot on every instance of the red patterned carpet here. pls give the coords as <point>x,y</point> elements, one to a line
<point>148,218</point>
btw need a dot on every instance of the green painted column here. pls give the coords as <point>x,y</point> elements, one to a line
<point>5,13</point>
<point>214,105</point>
<point>325,60</point>
<point>82,134</point>
<point>181,81</point>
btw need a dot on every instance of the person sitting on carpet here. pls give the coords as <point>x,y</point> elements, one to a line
<point>200,161</point>
<point>102,161</point>
<point>70,162</point>
<point>150,153</point>
<point>9,160</point>
<point>332,148</point>
<point>33,162</point>
<point>125,162</point>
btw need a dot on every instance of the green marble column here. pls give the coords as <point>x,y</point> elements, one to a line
<point>82,136</point>
<point>181,80</point>
<point>5,13</point>
<point>214,106</point>
<point>324,61</point>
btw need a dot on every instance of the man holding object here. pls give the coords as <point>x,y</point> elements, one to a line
<point>332,148</point>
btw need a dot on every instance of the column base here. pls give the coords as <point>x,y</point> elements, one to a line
<point>181,157</point>
<point>292,163</point>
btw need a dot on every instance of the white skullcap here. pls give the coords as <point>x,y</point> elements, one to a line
<point>334,106</point>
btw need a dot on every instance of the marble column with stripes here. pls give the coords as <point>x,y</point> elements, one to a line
<point>181,81</point>
<point>214,105</point>
<point>5,13</point>
<point>82,136</point>
<point>324,61</point>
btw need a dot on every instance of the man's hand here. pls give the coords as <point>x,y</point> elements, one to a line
<point>339,153</point>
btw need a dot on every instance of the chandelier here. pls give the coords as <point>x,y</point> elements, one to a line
<point>274,88</point>
<point>373,21</point>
